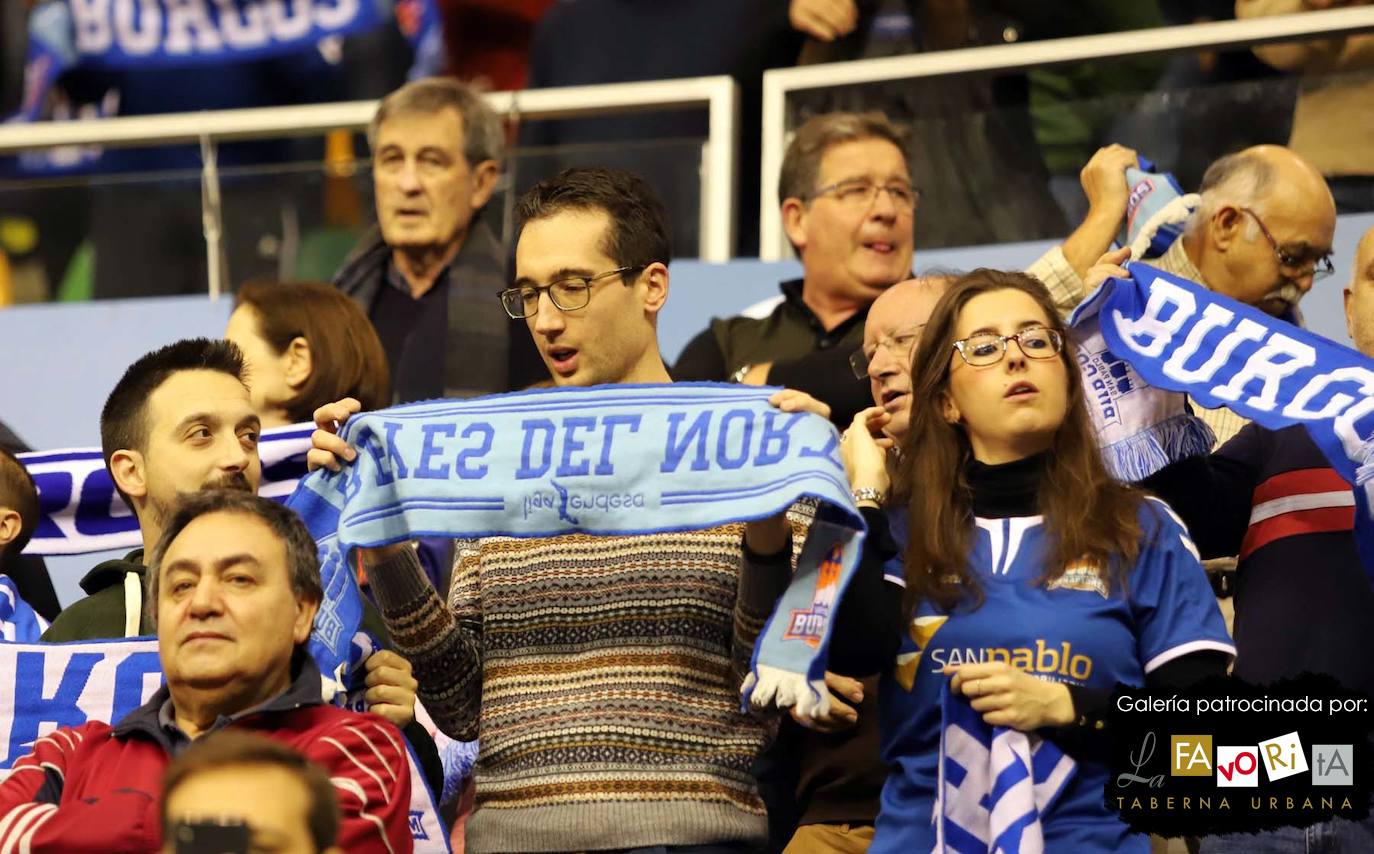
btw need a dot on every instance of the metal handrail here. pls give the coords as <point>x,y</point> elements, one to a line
<point>773,244</point>
<point>719,95</point>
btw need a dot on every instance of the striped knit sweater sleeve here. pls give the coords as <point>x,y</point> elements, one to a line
<point>443,643</point>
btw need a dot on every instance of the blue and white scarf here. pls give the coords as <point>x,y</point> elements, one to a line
<point>48,685</point>
<point>81,512</point>
<point>995,784</point>
<point>608,460</point>
<point>1180,337</point>
<point>1156,211</point>
<point>18,621</point>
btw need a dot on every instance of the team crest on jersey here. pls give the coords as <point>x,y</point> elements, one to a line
<point>808,624</point>
<point>922,629</point>
<point>1081,576</point>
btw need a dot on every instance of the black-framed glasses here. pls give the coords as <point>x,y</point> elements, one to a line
<point>898,346</point>
<point>860,194</point>
<point>1036,342</point>
<point>568,294</point>
<point>1295,261</point>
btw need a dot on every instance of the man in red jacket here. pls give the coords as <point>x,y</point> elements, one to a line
<point>234,584</point>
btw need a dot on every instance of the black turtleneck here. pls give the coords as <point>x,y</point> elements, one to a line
<point>1005,489</point>
<point>869,621</point>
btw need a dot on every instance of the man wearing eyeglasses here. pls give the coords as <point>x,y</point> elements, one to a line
<point>1261,235</point>
<point>603,673</point>
<point>849,208</point>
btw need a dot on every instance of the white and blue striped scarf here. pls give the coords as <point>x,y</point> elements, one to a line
<point>18,621</point>
<point>995,784</point>
<point>607,460</point>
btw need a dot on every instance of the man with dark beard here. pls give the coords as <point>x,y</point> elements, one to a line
<point>180,420</point>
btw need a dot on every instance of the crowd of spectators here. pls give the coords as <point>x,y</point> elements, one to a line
<point>600,677</point>
<point>1000,152</point>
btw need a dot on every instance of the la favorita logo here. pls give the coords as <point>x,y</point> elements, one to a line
<point>1230,757</point>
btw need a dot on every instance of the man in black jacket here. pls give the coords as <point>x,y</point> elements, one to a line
<point>427,275</point>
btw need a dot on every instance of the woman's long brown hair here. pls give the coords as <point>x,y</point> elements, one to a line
<point>1090,517</point>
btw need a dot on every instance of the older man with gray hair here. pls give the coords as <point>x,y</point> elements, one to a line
<point>1261,234</point>
<point>426,275</point>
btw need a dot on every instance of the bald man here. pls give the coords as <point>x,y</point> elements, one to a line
<point>1261,235</point>
<point>891,333</point>
<point>1303,602</point>
<point>840,773</point>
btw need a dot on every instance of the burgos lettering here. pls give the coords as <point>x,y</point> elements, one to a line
<point>1060,663</point>
<point>808,624</point>
<point>190,27</point>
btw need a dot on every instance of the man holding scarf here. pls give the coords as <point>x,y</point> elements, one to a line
<point>604,671</point>
<point>1261,235</point>
<point>1303,598</point>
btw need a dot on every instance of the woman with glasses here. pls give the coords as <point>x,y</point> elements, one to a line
<point>1033,582</point>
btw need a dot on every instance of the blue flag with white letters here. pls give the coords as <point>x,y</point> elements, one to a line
<point>1179,336</point>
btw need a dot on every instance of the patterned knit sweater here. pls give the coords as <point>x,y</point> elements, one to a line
<point>602,676</point>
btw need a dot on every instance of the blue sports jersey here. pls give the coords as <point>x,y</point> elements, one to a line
<point>1072,631</point>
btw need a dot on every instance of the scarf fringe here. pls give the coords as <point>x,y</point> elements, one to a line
<point>1138,456</point>
<point>785,689</point>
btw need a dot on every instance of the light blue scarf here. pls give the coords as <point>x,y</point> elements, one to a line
<point>610,460</point>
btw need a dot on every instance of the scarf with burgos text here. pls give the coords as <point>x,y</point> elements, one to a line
<point>607,460</point>
<point>1175,335</point>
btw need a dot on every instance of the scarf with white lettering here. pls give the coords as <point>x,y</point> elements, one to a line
<point>607,460</point>
<point>119,35</point>
<point>1180,337</point>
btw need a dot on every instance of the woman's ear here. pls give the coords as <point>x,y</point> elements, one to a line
<point>297,363</point>
<point>949,409</point>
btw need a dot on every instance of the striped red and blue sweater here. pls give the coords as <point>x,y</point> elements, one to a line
<point>1303,601</point>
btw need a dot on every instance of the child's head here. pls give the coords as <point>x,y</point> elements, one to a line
<point>18,506</point>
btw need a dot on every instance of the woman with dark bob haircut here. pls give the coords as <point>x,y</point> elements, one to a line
<point>1032,581</point>
<point>306,344</point>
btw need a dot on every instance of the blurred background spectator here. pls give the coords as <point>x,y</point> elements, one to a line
<point>1333,123</point>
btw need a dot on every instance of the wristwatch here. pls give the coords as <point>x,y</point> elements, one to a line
<point>868,493</point>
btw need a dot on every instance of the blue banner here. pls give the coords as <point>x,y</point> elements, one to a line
<point>1182,337</point>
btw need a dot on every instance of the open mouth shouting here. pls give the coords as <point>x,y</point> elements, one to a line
<point>562,359</point>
